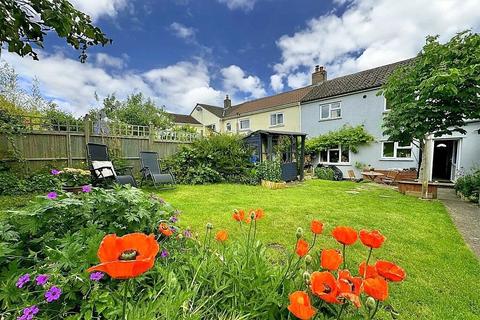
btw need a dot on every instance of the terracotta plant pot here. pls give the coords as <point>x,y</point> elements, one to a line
<point>274,185</point>
<point>74,189</point>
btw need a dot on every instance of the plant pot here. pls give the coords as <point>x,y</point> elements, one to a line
<point>72,189</point>
<point>274,185</point>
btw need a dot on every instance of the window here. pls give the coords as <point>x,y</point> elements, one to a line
<point>229,126</point>
<point>387,105</point>
<point>335,155</point>
<point>276,119</point>
<point>395,150</point>
<point>245,124</point>
<point>330,111</point>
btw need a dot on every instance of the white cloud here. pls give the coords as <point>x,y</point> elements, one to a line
<point>103,59</point>
<point>370,33</point>
<point>73,85</point>
<point>276,82</point>
<point>235,80</point>
<point>245,5</point>
<point>182,31</point>
<point>97,8</point>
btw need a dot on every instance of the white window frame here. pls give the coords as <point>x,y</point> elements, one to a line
<point>277,124</point>
<point>330,109</point>
<point>339,148</point>
<point>240,124</point>
<point>385,106</point>
<point>396,147</point>
<point>228,126</point>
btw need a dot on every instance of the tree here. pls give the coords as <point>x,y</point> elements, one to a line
<point>435,94</point>
<point>26,22</point>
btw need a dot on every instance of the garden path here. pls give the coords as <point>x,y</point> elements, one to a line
<point>465,215</point>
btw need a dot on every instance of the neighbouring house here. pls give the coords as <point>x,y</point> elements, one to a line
<point>280,112</point>
<point>353,100</point>
<point>184,120</point>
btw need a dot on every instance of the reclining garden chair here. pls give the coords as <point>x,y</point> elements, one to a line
<point>102,169</point>
<point>151,169</point>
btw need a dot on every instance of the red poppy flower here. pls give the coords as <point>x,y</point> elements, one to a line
<point>259,213</point>
<point>349,284</point>
<point>390,271</point>
<point>165,229</point>
<point>316,227</point>
<point>345,235</point>
<point>324,285</point>
<point>300,305</point>
<point>239,215</point>
<point>330,259</point>
<point>126,257</point>
<point>302,247</point>
<point>373,239</point>
<point>221,236</point>
<point>371,271</point>
<point>376,288</point>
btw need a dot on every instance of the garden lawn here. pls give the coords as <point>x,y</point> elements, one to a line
<point>442,273</point>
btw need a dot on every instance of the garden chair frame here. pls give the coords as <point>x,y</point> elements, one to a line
<point>151,169</point>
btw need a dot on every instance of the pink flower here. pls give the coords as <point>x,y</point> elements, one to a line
<point>55,172</point>
<point>86,188</point>
<point>52,195</point>
<point>41,279</point>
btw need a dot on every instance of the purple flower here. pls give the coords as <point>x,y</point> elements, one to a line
<point>173,219</point>
<point>53,294</point>
<point>96,276</point>
<point>52,195</point>
<point>23,280</point>
<point>187,233</point>
<point>86,188</point>
<point>55,172</point>
<point>164,253</point>
<point>41,279</point>
<point>29,313</point>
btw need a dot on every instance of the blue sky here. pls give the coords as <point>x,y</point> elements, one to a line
<point>180,52</point>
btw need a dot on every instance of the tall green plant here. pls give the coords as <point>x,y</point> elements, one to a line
<point>347,136</point>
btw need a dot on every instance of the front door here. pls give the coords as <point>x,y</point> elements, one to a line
<point>444,160</point>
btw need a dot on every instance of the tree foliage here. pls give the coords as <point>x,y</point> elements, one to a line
<point>347,136</point>
<point>24,23</point>
<point>437,92</point>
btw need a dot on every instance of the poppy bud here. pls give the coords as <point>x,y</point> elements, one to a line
<point>180,236</point>
<point>306,277</point>
<point>370,303</point>
<point>299,233</point>
<point>209,226</point>
<point>308,259</point>
<point>252,215</point>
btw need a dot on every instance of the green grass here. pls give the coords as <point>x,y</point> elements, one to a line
<point>442,273</point>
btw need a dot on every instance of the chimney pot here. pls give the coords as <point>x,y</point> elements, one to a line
<point>227,103</point>
<point>319,75</point>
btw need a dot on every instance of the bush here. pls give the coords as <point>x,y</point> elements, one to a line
<point>270,171</point>
<point>325,173</point>
<point>14,184</point>
<point>217,158</point>
<point>469,185</point>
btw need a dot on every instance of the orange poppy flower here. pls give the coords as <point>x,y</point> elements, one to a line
<point>349,284</point>
<point>376,288</point>
<point>221,235</point>
<point>165,229</point>
<point>324,285</point>
<point>390,271</point>
<point>239,215</point>
<point>302,247</point>
<point>300,305</point>
<point>373,239</point>
<point>259,213</point>
<point>345,235</point>
<point>330,259</point>
<point>371,271</point>
<point>126,257</point>
<point>316,227</point>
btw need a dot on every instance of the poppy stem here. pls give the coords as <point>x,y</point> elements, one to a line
<point>288,269</point>
<point>125,293</point>
<point>255,231</point>
<point>313,242</point>
<point>341,311</point>
<point>375,310</point>
<point>248,241</point>
<point>366,264</point>
<point>344,258</point>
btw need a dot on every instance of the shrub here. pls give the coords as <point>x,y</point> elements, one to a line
<point>325,173</point>
<point>469,185</point>
<point>217,158</point>
<point>270,171</point>
<point>15,184</point>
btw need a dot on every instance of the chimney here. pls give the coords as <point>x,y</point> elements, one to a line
<point>227,103</point>
<point>319,75</point>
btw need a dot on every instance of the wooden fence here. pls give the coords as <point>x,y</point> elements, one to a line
<point>44,144</point>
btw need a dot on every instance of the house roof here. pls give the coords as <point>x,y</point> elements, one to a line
<point>218,111</point>
<point>268,102</point>
<point>359,81</point>
<point>183,118</point>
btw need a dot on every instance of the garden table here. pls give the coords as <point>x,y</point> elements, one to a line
<point>371,175</point>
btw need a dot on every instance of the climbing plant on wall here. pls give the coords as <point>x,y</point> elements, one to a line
<point>347,136</point>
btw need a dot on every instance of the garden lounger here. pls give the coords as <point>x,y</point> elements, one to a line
<point>150,169</point>
<point>102,168</point>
